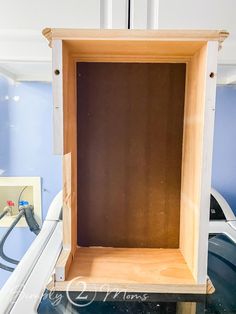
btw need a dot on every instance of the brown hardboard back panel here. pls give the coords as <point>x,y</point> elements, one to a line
<point>130,129</point>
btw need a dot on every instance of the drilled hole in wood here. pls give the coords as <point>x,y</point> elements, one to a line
<point>212,75</point>
<point>57,72</point>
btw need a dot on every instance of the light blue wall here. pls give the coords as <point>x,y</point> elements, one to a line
<point>26,148</point>
<point>224,153</point>
<point>4,122</point>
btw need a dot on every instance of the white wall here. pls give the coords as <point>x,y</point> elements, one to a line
<point>202,14</point>
<point>28,14</point>
<point>24,53</point>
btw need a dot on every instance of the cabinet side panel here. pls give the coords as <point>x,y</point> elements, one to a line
<point>70,150</point>
<point>67,209</point>
<point>197,159</point>
<point>208,132</point>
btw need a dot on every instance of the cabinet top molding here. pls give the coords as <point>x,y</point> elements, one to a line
<point>136,35</point>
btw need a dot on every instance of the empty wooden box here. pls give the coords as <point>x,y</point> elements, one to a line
<point>134,117</point>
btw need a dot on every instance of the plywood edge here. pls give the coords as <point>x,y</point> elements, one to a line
<point>67,221</point>
<point>168,35</point>
<point>63,265</point>
<point>138,288</point>
<point>57,285</point>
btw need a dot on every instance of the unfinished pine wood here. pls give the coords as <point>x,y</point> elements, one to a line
<point>197,156</point>
<point>192,161</point>
<point>131,51</point>
<point>167,35</point>
<point>67,185</point>
<point>63,265</point>
<point>130,128</point>
<point>139,270</point>
<point>70,147</point>
<point>207,152</point>
<point>196,48</point>
<point>195,39</point>
<point>133,45</point>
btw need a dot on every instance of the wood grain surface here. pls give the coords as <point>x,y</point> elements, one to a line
<point>129,269</point>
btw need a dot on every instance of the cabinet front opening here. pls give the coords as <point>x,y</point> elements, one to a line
<point>130,130</point>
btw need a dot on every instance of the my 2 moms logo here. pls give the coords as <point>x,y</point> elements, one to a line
<point>83,299</point>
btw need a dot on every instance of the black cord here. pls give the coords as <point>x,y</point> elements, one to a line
<point>4,238</point>
<point>7,268</point>
<point>29,217</point>
<point>33,225</point>
<point>24,188</point>
<point>128,14</point>
<point>3,213</point>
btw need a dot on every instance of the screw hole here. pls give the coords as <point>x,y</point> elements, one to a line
<point>212,75</point>
<point>57,72</point>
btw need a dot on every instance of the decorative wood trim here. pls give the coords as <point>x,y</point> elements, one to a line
<point>165,35</point>
<point>47,33</point>
<point>210,288</point>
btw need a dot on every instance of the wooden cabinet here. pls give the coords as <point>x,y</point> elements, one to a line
<point>134,117</point>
